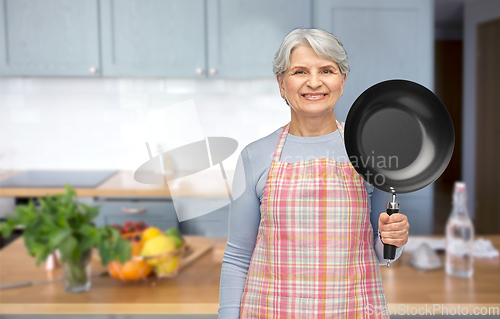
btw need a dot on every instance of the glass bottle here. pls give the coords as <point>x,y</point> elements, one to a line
<point>459,236</point>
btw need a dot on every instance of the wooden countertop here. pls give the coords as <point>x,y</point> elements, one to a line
<point>195,290</point>
<point>405,285</point>
<point>122,184</point>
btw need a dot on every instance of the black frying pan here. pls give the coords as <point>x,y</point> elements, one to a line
<point>399,137</point>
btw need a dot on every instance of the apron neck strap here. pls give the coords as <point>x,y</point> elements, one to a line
<point>340,128</point>
<point>281,142</point>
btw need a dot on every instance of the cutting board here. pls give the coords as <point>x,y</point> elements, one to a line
<point>218,254</point>
<point>194,250</point>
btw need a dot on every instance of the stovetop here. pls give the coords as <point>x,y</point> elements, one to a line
<point>58,178</point>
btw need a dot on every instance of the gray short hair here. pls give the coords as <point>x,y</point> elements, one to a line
<point>325,44</point>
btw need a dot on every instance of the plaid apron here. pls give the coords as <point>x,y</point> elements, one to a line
<point>314,255</point>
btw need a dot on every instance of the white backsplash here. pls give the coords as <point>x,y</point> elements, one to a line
<point>74,123</point>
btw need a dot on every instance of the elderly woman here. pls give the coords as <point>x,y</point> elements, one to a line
<point>301,244</point>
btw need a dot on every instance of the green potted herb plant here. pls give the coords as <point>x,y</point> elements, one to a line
<point>60,222</point>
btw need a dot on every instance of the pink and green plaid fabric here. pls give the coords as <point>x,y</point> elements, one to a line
<point>314,255</point>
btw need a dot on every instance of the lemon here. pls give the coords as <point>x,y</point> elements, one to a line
<point>157,246</point>
<point>149,233</point>
<point>168,267</point>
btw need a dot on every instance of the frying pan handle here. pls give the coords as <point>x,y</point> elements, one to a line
<point>390,250</point>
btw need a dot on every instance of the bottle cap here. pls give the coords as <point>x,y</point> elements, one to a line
<point>460,186</point>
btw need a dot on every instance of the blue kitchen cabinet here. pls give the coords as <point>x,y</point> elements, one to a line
<point>219,38</point>
<point>49,38</point>
<point>159,213</point>
<point>214,224</point>
<point>146,38</point>
<point>153,38</point>
<point>243,36</point>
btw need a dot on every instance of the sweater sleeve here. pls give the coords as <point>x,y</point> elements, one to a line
<point>244,220</point>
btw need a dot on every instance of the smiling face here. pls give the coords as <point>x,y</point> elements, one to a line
<point>311,85</point>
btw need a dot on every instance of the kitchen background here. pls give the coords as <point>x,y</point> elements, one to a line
<point>57,112</point>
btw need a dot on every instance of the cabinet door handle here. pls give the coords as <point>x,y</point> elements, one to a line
<point>133,210</point>
<point>213,70</point>
<point>93,70</point>
<point>200,71</point>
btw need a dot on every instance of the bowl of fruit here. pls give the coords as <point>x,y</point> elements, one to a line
<point>132,269</point>
<point>163,250</point>
<point>154,252</point>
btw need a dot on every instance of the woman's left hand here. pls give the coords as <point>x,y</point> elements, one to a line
<point>394,229</point>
